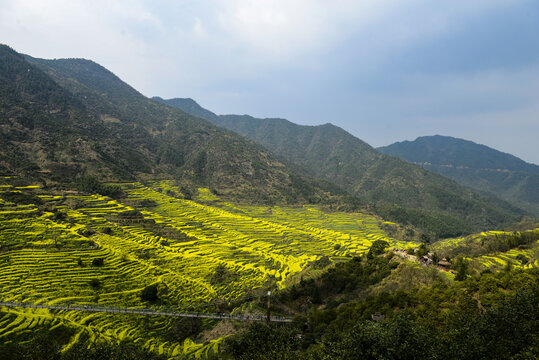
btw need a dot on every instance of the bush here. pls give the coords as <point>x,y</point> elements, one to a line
<point>522,258</point>
<point>222,275</point>
<point>322,262</point>
<point>95,283</point>
<point>60,215</point>
<point>164,243</point>
<point>92,185</point>
<point>98,262</point>
<point>150,293</point>
<point>147,203</point>
<point>186,327</point>
<point>88,232</point>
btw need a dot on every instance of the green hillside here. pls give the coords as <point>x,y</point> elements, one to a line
<point>397,190</point>
<point>64,119</point>
<point>474,165</point>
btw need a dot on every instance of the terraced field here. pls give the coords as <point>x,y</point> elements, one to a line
<point>52,254</point>
<point>524,255</point>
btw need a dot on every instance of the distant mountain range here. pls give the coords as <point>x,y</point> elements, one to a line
<point>398,190</point>
<point>476,166</point>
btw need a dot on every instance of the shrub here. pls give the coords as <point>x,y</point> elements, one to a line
<point>164,243</point>
<point>98,262</point>
<point>59,215</point>
<point>88,232</point>
<point>147,203</point>
<point>95,283</point>
<point>322,262</point>
<point>222,275</point>
<point>149,293</point>
<point>90,184</point>
<point>522,258</point>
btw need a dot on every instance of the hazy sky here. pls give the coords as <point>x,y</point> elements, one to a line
<point>384,70</point>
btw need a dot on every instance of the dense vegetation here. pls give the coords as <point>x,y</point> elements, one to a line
<point>476,166</point>
<point>397,190</point>
<point>489,316</point>
<point>67,121</point>
<point>473,246</point>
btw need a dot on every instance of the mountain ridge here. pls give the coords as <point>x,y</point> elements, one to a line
<point>477,166</point>
<point>63,119</point>
<point>399,190</point>
<point>443,151</point>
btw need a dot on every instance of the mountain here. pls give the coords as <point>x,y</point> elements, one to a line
<point>64,119</point>
<point>474,165</point>
<point>398,190</point>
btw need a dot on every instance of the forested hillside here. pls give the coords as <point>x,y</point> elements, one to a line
<point>66,119</point>
<point>474,165</point>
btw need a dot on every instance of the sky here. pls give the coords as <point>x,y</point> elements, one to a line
<point>384,70</point>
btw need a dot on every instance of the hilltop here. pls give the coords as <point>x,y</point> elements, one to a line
<point>474,165</point>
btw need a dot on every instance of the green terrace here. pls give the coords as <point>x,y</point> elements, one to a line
<point>89,249</point>
<point>202,255</point>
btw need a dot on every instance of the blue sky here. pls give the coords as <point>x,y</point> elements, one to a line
<point>383,70</point>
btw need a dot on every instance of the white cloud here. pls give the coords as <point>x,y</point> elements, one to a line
<point>230,54</point>
<point>283,30</point>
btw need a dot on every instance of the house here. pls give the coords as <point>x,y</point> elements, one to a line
<point>426,259</point>
<point>444,263</point>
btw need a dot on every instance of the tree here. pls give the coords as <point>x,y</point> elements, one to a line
<point>462,269</point>
<point>149,293</point>
<point>422,250</point>
<point>186,327</point>
<point>98,262</point>
<point>378,247</point>
<point>435,258</point>
<point>261,341</point>
<point>425,238</point>
<point>222,275</point>
<point>95,283</point>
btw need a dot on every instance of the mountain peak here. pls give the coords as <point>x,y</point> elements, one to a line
<point>190,106</point>
<point>444,150</point>
<point>474,165</point>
